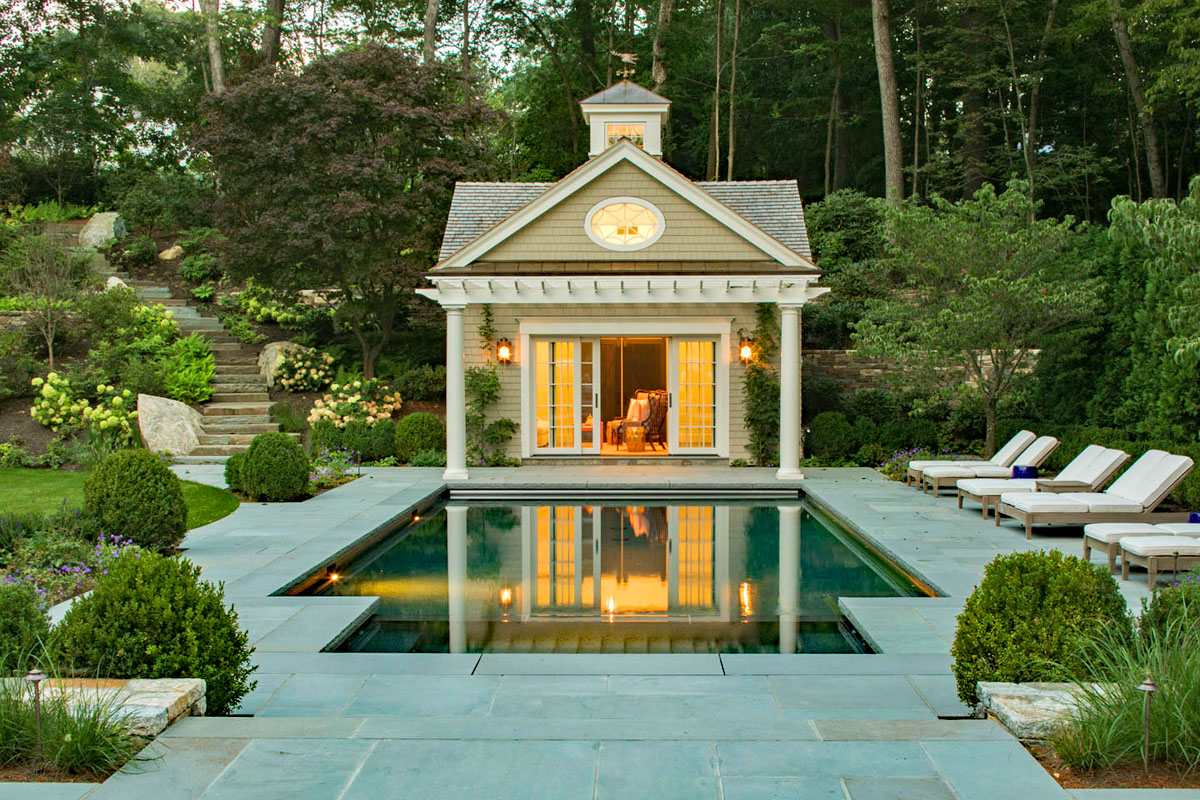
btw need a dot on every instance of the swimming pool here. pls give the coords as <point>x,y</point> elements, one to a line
<point>608,577</point>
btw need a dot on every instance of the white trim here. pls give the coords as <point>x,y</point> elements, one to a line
<point>623,326</point>
<point>632,201</point>
<point>577,290</point>
<point>626,151</point>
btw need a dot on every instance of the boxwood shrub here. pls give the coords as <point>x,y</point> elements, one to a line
<point>24,627</point>
<point>1026,618</point>
<point>274,468</point>
<point>152,617</point>
<point>419,433</point>
<point>233,471</point>
<point>133,493</point>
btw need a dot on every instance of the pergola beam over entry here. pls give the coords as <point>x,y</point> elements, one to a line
<point>576,290</point>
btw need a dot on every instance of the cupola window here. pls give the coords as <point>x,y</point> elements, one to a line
<point>624,223</point>
<point>633,131</point>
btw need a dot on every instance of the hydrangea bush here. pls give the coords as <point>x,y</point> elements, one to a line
<point>111,417</point>
<point>305,371</point>
<point>364,400</point>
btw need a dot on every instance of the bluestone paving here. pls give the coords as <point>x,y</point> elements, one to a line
<point>782,788</point>
<point>45,791</point>
<point>740,727</point>
<point>294,768</point>
<point>993,771</point>
<point>1135,794</point>
<point>676,770</point>
<point>474,769</point>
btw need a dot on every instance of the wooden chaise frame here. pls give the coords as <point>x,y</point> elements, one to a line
<point>1043,485</point>
<point>1031,518</point>
<point>1151,563</point>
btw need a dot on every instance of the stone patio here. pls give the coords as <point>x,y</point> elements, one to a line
<point>351,725</point>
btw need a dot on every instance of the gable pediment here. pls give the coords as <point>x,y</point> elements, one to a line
<point>551,224</point>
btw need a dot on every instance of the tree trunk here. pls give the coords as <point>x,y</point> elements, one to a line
<point>216,63</point>
<point>737,25</point>
<point>1133,76</point>
<point>272,31</point>
<point>829,129</point>
<point>893,155</point>
<point>1028,126</point>
<point>714,137</point>
<point>429,43</point>
<point>989,443</point>
<point>918,107</point>
<point>658,71</point>
<point>466,48</point>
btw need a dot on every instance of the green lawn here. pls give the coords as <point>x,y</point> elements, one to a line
<point>27,490</point>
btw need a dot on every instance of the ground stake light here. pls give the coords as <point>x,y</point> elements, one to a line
<point>1149,687</point>
<point>36,676</point>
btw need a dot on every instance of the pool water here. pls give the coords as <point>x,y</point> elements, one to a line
<point>639,577</point>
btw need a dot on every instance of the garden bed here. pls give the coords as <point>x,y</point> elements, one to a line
<point>1162,776</point>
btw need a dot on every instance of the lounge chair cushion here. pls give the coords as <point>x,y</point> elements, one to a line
<point>1044,502</point>
<point>1141,477</point>
<point>1036,453</point>
<point>996,486</point>
<point>1109,532</point>
<point>949,462</point>
<point>967,471</point>
<point>1083,465</point>
<point>1098,469</point>
<point>1161,545</point>
<point>1006,455</point>
<point>1180,528</point>
<point>1106,503</point>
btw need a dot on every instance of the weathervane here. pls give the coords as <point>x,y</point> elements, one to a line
<point>629,59</point>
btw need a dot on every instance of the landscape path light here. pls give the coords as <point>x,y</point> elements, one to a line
<point>1149,687</point>
<point>36,676</point>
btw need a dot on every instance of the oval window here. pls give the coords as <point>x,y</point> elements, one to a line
<point>624,223</point>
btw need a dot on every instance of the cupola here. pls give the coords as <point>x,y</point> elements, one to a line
<point>625,111</point>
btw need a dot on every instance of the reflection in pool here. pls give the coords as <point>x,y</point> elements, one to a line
<point>578,578</point>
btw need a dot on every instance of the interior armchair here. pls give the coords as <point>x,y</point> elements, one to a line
<point>647,410</point>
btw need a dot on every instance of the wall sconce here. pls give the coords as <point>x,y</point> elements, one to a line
<point>746,351</point>
<point>506,596</point>
<point>504,351</point>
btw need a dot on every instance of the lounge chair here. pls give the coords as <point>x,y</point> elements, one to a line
<point>1004,457</point>
<point>1131,498</point>
<point>1087,472</point>
<point>1155,552</point>
<point>939,477</point>
<point>1108,537</point>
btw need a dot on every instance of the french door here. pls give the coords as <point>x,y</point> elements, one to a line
<point>566,392</point>
<point>692,382</point>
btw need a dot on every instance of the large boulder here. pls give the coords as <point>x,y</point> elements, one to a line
<point>114,282</point>
<point>171,253</point>
<point>272,354</point>
<point>100,228</point>
<point>168,425</point>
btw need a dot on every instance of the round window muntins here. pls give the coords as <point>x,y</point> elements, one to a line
<point>624,223</point>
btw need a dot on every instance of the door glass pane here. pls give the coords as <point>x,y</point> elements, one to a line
<point>555,394</point>
<point>695,556</point>
<point>697,394</point>
<point>587,391</point>
<point>556,567</point>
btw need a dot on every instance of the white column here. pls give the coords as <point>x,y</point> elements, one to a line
<point>789,394</point>
<point>456,570</point>
<point>789,577</point>
<point>456,398</point>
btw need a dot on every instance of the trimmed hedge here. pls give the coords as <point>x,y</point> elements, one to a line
<point>419,433</point>
<point>1025,620</point>
<point>133,493</point>
<point>275,468</point>
<point>152,617</point>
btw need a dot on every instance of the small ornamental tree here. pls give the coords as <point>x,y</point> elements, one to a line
<point>985,284</point>
<point>341,177</point>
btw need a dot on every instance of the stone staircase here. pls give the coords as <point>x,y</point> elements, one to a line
<point>240,406</point>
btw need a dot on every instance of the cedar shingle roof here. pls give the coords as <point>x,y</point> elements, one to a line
<point>773,206</point>
<point>625,92</point>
